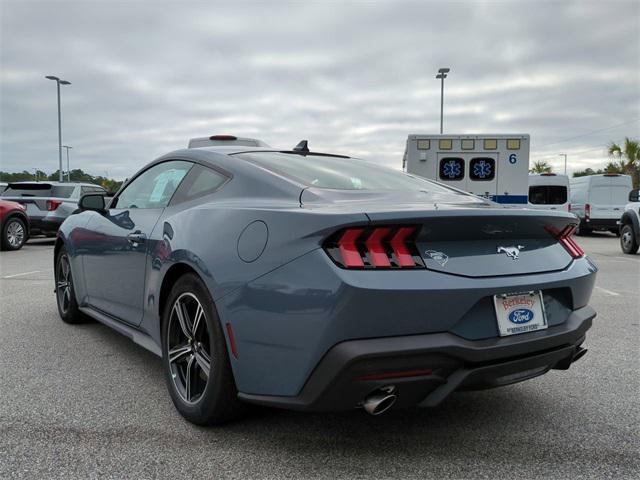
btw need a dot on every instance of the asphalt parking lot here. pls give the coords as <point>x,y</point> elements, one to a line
<point>85,402</point>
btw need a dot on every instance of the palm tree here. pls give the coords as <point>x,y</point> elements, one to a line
<point>540,167</point>
<point>628,156</point>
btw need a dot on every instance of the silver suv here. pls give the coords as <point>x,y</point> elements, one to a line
<point>630,224</point>
<point>48,203</point>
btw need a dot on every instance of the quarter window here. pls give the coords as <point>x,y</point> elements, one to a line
<point>451,168</point>
<point>199,182</point>
<point>154,187</point>
<point>482,169</point>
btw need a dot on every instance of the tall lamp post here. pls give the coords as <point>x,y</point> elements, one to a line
<point>565,161</point>
<point>58,83</point>
<point>68,171</point>
<point>442,74</point>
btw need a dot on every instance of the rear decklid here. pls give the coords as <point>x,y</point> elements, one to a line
<point>461,235</point>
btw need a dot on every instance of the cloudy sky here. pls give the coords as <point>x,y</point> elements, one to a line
<point>352,77</point>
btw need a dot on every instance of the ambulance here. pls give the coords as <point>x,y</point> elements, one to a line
<point>491,166</point>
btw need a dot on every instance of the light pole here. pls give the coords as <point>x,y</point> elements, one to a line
<point>68,171</point>
<point>58,83</point>
<point>565,161</point>
<point>442,74</point>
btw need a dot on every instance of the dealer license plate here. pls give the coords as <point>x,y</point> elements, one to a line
<point>520,313</point>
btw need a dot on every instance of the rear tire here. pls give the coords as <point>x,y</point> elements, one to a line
<point>583,230</point>
<point>195,358</point>
<point>65,294</point>
<point>628,241</point>
<point>14,234</point>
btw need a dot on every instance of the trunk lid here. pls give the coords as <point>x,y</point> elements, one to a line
<point>464,235</point>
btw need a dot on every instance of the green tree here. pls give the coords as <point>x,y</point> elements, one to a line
<point>587,171</point>
<point>540,167</point>
<point>628,156</point>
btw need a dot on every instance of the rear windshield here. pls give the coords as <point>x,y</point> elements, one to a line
<point>548,195</point>
<point>341,173</point>
<point>38,190</point>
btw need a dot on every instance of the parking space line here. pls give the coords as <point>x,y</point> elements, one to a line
<point>21,274</point>
<point>608,292</point>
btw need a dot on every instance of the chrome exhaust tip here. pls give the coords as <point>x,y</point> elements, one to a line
<point>380,401</point>
<point>580,352</point>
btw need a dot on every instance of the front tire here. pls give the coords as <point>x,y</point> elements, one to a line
<point>14,234</point>
<point>65,294</point>
<point>195,358</point>
<point>628,241</point>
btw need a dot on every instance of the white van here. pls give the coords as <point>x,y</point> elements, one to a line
<point>599,200</point>
<point>549,191</point>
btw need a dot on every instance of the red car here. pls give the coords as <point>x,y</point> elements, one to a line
<point>14,225</point>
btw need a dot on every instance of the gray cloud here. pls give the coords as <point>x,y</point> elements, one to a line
<point>354,78</point>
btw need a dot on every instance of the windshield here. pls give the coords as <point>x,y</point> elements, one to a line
<point>341,173</point>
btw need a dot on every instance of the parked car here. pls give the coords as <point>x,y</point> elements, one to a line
<point>3,186</point>
<point>14,225</point>
<point>630,224</point>
<point>48,203</point>
<point>549,191</point>
<point>598,201</point>
<point>319,282</point>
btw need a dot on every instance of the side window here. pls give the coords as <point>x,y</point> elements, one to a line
<point>154,187</point>
<point>451,168</point>
<point>201,181</point>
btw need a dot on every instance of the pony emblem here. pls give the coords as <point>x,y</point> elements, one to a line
<point>511,252</point>
<point>439,257</point>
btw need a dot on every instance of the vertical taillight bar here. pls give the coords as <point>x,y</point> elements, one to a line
<point>565,239</point>
<point>348,248</point>
<point>399,247</point>
<point>377,254</point>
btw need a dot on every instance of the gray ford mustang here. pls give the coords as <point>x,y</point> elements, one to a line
<point>320,282</point>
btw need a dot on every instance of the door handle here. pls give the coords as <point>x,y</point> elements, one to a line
<point>136,237</point>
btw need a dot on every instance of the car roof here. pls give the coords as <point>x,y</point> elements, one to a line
<point>235,149</point>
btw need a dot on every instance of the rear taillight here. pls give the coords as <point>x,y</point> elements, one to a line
<point>568,207</point>
<point>52,205</point>
<point>587,211</point>
<point>390,247</point>
<point>570,245</point>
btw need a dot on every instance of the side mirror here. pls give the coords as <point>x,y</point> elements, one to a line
<point>92,201</point>
<point>634,195</point>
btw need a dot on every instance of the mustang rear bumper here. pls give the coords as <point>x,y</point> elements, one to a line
<point>425,369</point>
